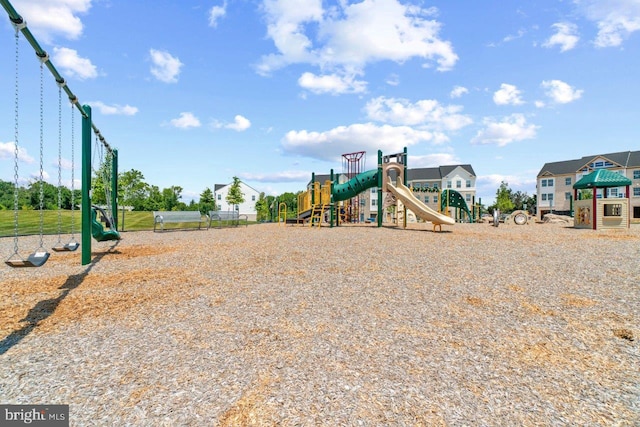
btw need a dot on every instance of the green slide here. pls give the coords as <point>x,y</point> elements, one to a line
<point>356,185</point>
<point>98,231</point>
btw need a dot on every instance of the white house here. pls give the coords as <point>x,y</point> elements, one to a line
<point>247,208</point>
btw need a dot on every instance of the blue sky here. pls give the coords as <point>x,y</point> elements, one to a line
<point>192,93</point>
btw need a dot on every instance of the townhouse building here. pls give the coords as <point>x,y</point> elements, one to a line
<point>554,187</point>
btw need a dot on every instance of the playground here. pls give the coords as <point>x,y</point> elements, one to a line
<point>352,325</point>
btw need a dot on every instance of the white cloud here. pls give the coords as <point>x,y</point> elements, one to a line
<point>47,18</point>
<point>507,95</point>
<point>68,61</point>
<point>616,19</point>
<point>458,91</point>
<point>540,104</point>
<point>115,109</point>
<point>565,36</point>
<point>331,144</point>
<point>331,83</point>
<point>426,112</point>
<point>166,67</point>
<point>349,36</point>
<point>561,92</point>
<point>512,37</point>
<point>432,160</point>
<point>393,80</point>
<point>7,151</point>
<point>284,176</point>
<point>185,121</point>
<point>215,13</point>
<point>239,124</point>
<point>509,129</point>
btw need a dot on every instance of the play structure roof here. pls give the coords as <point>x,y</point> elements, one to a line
<point>602,178</point>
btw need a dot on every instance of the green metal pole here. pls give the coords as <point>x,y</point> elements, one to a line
<point>86,186</point>
<point>114,188</point>
<point>405,179</point>
<point>380,188</point>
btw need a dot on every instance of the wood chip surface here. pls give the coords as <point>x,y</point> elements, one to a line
<point>267,325</point>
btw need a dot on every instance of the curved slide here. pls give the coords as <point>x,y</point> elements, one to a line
<point>356,185</point>
<point>421,210</point>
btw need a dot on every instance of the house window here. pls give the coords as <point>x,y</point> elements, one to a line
<point>613,192</point>
<point>611,209</point>
<point>636,174</point>
<point>567,181</point>
<point>468,197</point>
<point>253,198</point>
<point>636,192</point>
<point>417,185</point>
<point>550,196</point>
<point>543,183</point>
<point>426,199</point>
<point>426,185</point>
<point>458,184</point>
<point>544,196</point>
<point>448,184</point>
<point>374,190</point>
<point>374,202</point>
<point>567,195</point>
<point>468,183</point>
<point>435,185</point>
<point>550,182</point>
<point>435,199</point>
<point>219,196</point>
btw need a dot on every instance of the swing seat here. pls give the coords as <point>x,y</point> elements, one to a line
<point>69,247</point>
<point>36,259</point>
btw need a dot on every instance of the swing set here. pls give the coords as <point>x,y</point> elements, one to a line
<point>92,216</point>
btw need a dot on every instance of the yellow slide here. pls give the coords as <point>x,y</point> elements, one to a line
<point>405,195</point>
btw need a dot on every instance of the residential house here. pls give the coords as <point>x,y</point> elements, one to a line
<point>555,181</point>
<point>247,208</point>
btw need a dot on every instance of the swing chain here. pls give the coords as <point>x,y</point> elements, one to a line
<point>72,171</point>
<point>41,152</point>
<point>16,151</point>
<point>59,162</point>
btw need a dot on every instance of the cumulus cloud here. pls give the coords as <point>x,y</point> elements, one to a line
<point>458,91</point>
<point>68,61</point>
<point>215,13</point>
<point>165,67</point>
<point>510,129</point>
<point>334,84</point>
<point>433,160</point>
<point>561,92</point>
<point>115,109</point>
<point>47,19</point>
<point>427,112</point>
<point>185,121</point>
<point>507,95</point>
<point>349,36</point>
<point>239,124</point>
<point>284,176</point>
<point>331,144</point>
<point>7,151</point>
<point>566,36</point>
<point>616,19</point>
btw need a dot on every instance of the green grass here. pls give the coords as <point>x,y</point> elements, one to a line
<point>29,222</point>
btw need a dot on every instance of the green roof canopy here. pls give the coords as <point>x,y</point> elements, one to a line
<point>602,178</point>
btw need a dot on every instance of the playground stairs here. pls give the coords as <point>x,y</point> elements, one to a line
<point>317,212</point>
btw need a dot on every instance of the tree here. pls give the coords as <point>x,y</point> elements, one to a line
<point>154,201</point>
<point>262,208</point>
<point>235,196</point>
<point>171,198</point>
<point>207,201</point>
<point>132,189</point>
<point>503,198</point>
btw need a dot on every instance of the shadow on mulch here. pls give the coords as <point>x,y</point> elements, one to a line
<point>43,309</point>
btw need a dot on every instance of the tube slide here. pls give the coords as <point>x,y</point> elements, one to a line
<point>414,204</point>
<point>356,185</point>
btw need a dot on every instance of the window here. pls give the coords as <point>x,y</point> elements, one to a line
<point>417,185</point>
<point>426,185</point>
<point>544,196</point>
<point>611,209</point>
<point>219,196</point>
<point>612,192</point>
<point>374,202</point>
<point>426,199</point>
<point>468,197</point>
<point>567,181</point>
<point>550,196</point>
<point>468,183</point>
<point>448,184</point>
<point>550,182</point>
<point>458,184</point>
<point>374,190</point>
<point>636,174</point>
<point>253,198</point>
<point>567,195</point>
<point>435,199</point>
<point>435,185</point>
<point>543,183</point>
<point>636,192</point>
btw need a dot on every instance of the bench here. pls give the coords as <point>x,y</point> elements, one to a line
<point>227,217</point>
<point>175,217</point>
